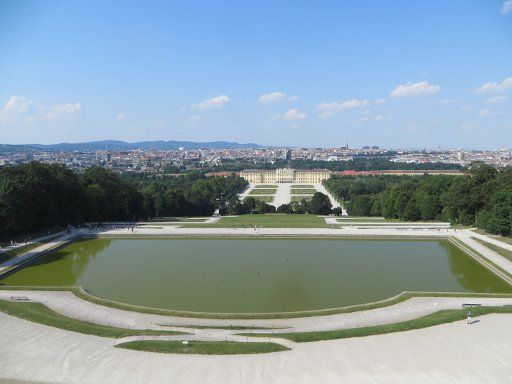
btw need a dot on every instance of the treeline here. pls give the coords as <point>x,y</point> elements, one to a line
<point>482,197</point>
<point>318,205</point>
<point>37,196</point>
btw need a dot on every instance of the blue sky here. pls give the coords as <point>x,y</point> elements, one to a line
<point>394,73</point>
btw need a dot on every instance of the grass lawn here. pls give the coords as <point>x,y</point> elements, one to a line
<point>271,220</point>
<point>440,317</point>
<point>301,186</point>
<point>265,199</point>
<point>303,191</point>
<point>262,192</point>
<point>184,219</point>
<point>501,251</point>
<point>39,313</point>
<point>300,198</point>
<point>265,186</point>
<point>507,240</point>
<point>203,347</point>
<point>360,218</point>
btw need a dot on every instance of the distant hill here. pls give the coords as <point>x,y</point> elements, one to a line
<point>122,145</point>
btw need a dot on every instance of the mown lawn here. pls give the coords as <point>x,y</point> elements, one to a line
<point>271,220</point>
<point>203,347</point>
<point>300,198</point>
<point>437,318</point>
<point>303,191</point>
<point>499,250</point>
<point>262,192</point>
<point>39,313</point>
<point>265,199</point>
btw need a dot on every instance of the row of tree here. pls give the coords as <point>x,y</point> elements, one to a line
<point>318,205</point>
<point>35,197</point>
<point>482,197</point>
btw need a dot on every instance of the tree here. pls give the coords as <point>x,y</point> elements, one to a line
<point>319,204</point>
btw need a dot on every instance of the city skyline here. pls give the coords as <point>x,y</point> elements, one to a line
<point>392,74</point>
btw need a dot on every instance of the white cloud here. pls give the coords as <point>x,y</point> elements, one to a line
<point>59,111</point>
<point>369,116</point>
<point>496,99</point>
<point>415,89</point>
<point>328,108</point>
<point>496,87</point>
<point>506,7</point>
<point>121,117</point>
<point>20,108</point>
<point>20,105</point>
<point>380,101</point>
<point>484,112</point>
<point>214,102</point>
<point>291,115</point>
<point>273,97</point>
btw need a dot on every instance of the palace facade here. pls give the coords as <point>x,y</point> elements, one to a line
<point>285,175</point>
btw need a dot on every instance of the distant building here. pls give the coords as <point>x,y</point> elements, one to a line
<point>285,175</point>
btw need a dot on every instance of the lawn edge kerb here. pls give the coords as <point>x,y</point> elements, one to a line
<point>206,347</point>
<point>433,319</point>
<point>84,295</point>
<point>41,314</point>
<point>504,252</point>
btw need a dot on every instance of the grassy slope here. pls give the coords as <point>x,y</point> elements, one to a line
<point>499,250</point>
<point>40,313</point>
<point>440,317</point>
<point>507,240</point>
<point>203,347</point>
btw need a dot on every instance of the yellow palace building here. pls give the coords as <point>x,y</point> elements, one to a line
<point>285,175</point>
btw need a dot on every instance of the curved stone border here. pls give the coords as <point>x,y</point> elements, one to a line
<point>81,293</point>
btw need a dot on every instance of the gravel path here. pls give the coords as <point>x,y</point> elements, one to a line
<point>68,304</point>
<point>453,353</point>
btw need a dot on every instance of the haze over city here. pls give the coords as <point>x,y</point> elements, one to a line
<point>400,74</point>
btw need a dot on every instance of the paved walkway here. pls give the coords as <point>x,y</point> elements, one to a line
<point>40,239</point>
<point>43,248</point>
<point>454,353</point>
<point>335,204</point>
<point>282,195</point>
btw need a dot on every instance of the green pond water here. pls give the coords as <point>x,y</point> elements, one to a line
<point>258,275</point>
